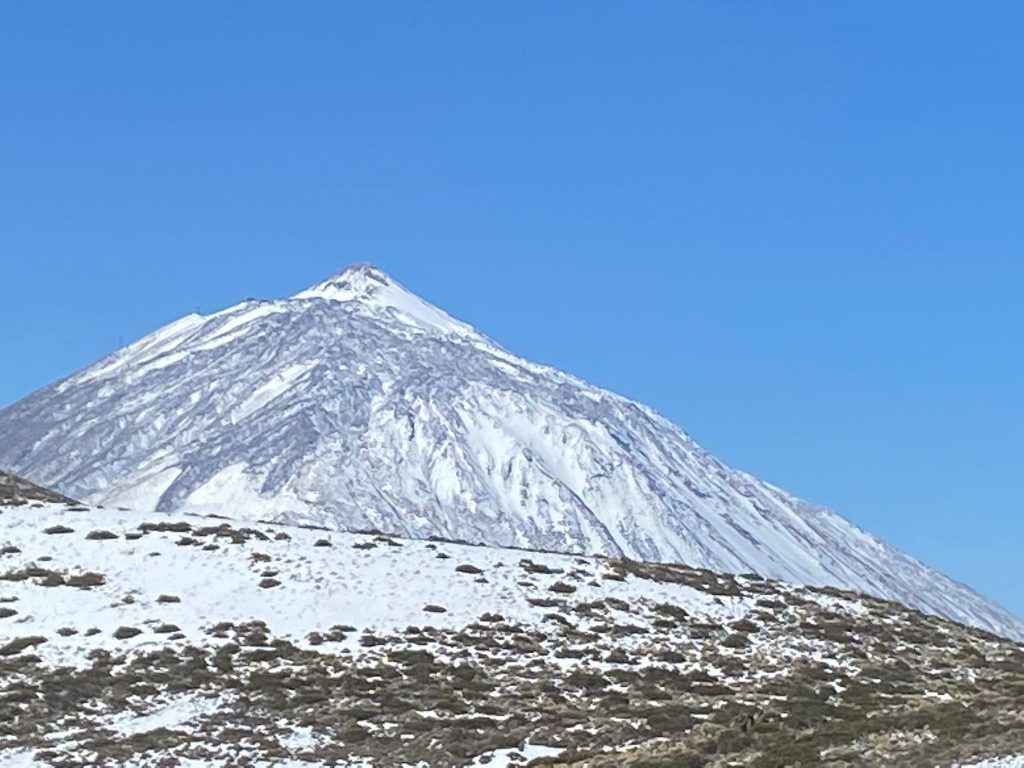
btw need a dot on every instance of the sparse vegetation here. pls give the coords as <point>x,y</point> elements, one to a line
<point>100,535</point>
<point>607,676</point>
<point>20,644</point>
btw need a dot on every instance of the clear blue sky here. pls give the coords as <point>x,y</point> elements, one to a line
<point>797,229</point>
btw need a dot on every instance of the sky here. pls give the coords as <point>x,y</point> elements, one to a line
<point>793,228</point>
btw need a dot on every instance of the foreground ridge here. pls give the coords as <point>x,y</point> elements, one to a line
<point>15,491</point>
<point>356,404</point>
<point>134,639</point>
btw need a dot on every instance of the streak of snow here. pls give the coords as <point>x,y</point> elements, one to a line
<point>1010,761</point>
<point>505,758</point>
<point>174,712</point>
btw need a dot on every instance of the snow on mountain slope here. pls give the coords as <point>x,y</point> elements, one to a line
<point>148,639</point>
<point>356,404</point>
<point>370,581</point>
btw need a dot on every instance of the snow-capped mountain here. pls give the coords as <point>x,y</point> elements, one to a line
<point>355,404</point>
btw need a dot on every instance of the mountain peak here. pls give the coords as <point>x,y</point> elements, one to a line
<point>371,287</point>
<point>357,282</point>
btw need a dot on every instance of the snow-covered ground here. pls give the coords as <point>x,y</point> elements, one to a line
<point>505,758</point>
<point>317,579</point>
<point>127,638</point>
<point>1010,761</point>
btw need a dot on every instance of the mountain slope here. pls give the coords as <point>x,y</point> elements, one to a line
<point>144,639</point>
<point>355,404</point>
<point>16,490</point>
